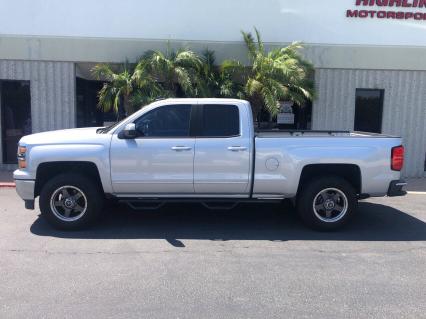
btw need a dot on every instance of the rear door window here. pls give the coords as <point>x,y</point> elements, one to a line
<point>220,121</point>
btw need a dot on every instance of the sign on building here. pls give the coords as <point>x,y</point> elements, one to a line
<point>286,115</point>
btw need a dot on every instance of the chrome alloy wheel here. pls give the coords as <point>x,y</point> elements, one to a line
<point>330,205</point>
<point>68,203</point>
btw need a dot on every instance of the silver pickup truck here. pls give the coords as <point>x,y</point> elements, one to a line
<point>204,150</point>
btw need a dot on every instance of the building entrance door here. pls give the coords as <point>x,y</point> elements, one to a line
<point>15,116</point>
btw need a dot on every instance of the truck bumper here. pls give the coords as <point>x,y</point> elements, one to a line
<point>25,190</point>
<point>395,188</point>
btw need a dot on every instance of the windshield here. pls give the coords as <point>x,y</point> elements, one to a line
<point>107,129</point>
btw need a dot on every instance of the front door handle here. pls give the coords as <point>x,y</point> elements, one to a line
<point>237,148</point>
<point>181,148</point>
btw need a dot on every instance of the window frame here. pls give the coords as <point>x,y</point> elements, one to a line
<point>198,125</point>
<point>191,121</point>
<point>381,101</point>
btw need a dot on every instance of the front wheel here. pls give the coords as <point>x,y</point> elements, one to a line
<point>326,203</point>
<point>70,201</point>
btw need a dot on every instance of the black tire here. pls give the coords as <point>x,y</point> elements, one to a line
<point>90,203</point>
<point>324,190</point>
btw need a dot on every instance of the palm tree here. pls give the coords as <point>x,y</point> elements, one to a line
<point>207,82</point>
<point>212,81</point>
<point>175,70</point>
<point>129,88</point>
<point>280,74</point>
<point>232,76</point>
<point>117,88</point>
<point>148,89</point>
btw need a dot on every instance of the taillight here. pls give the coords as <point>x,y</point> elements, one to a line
<point>397,158</point>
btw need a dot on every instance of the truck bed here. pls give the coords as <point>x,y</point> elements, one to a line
<point>281,156</point>
<point>273,133</point>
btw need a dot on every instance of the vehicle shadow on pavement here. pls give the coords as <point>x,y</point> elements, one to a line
<point>373,222</point>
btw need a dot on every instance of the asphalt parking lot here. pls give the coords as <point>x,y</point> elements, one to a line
<point>187,262</point>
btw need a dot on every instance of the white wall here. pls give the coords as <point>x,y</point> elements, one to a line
<point>319,22</point>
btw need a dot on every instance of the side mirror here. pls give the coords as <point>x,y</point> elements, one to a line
<point>128,132</point>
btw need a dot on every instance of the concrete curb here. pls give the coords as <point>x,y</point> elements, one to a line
<point>7,185</point>
<point>416,193</point>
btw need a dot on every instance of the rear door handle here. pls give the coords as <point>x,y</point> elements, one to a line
<point>181,148</point>
<point>237,148</point>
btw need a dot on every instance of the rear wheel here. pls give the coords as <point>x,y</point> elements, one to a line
<point>71,201</point>
<point>326,203</point>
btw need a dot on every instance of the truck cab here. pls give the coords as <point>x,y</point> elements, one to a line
<point>185,148</point>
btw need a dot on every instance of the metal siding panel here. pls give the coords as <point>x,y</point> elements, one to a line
<point>329,96</point>
<point>404,112</point>
<point>335,109</point>
<point>27,70</point>
<point>71,95</point>
<point>50,80</point>
<point>35,98</point>
<point>419,122</point>
<point>347,100</point>
<point>317,103</point>
<point>407,120</point>
<point>57,87</point>
<point>422,121</point>
<point>11,70</point>
<point>19,71</point>
<point>2,68</point>
<point>44,126</point>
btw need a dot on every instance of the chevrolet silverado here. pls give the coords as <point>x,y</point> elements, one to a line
<point>204,150</point>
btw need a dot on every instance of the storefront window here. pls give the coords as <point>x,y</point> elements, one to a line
<point>15,116</point>
<point>88,113</point>
<point>368,110</point>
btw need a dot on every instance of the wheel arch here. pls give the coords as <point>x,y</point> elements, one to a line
<point>350,172</point>
<point>46,171</point>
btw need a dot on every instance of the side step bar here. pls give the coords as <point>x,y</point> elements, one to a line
<point>209,203</point>
<point>220,205</point>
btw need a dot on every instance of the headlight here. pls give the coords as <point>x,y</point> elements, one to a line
<point>22,162</point>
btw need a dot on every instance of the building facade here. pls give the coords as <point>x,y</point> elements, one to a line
<point>370,70</point>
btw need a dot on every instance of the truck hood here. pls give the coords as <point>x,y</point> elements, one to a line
<point>68,136</point>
